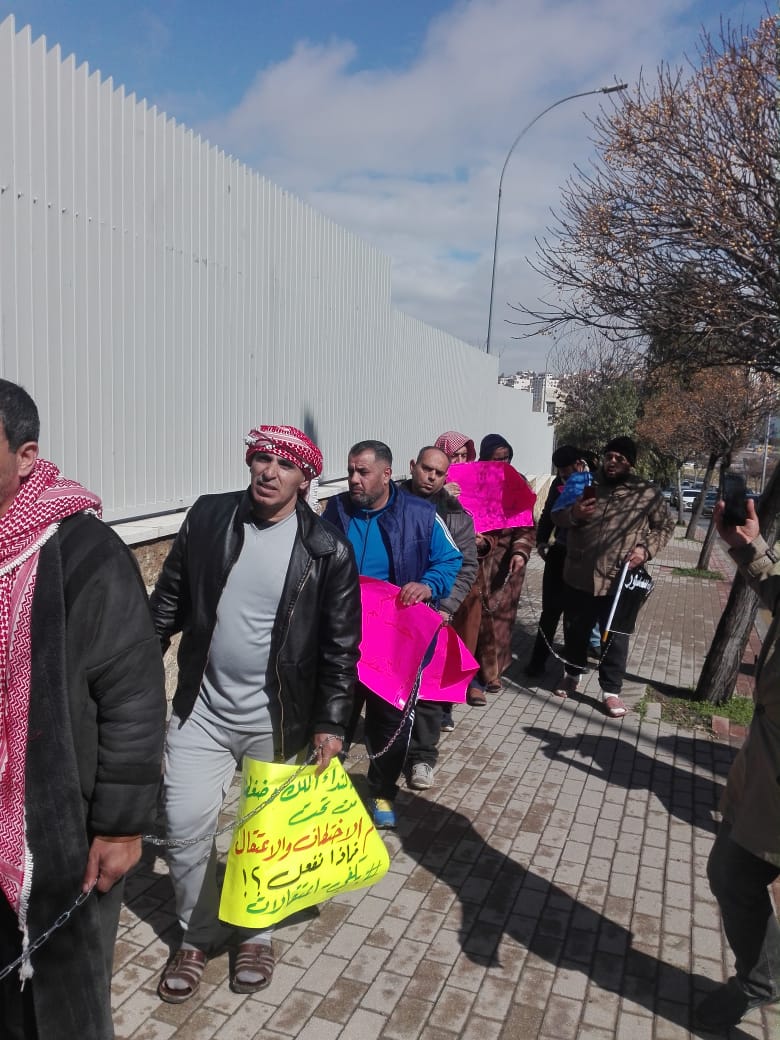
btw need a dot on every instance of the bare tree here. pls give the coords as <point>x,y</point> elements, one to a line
<point>666,425</point>
<point>674,237</point>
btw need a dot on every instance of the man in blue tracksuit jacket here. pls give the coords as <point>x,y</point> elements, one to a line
<point>401,539</point>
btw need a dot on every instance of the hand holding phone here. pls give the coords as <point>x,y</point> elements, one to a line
<point>589,492</point>
<point>735,511</point>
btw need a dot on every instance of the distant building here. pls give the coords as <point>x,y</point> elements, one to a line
<point>542,385</point>
<point>519,381</point>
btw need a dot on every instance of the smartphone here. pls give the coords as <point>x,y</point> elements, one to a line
<point>735,511</point>
<point>589,492</point>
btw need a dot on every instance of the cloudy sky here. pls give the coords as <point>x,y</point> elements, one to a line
<point>394,117</point>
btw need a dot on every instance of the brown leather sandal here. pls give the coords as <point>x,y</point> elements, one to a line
<point>185,966</point>
<point>614,706</point>
<point>476,697</point>
<point>254,959</point>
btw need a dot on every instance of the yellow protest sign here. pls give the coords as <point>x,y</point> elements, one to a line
<point>314,840</point>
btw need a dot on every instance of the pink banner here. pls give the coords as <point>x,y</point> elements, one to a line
<point>394,641</point>
<point>495,494</point>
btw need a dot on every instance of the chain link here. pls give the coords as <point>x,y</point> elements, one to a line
<point>37,943</point>
<point>583,669</point>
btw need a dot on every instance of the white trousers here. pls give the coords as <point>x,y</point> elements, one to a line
<point>201,758</point>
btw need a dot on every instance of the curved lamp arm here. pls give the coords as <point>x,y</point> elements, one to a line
<point>523,132</point>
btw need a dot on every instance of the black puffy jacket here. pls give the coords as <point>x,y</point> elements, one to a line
<point>315,643</point>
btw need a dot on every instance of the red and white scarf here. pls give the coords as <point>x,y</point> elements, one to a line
<point>43,499</point>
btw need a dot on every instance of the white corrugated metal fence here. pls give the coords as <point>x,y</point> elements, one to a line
<point>157,298</point>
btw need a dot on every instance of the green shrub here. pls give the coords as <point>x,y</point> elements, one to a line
<point>696,572</point>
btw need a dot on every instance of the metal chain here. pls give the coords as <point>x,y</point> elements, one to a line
<point>152,839</point>
<point>37,943</point>
<point>488,606</point>
<point>407,711</point>
<point>179,843</point>
<point>586,668</point>
<point>583,669</point>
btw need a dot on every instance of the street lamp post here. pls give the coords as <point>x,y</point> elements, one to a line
<point>523,132</point>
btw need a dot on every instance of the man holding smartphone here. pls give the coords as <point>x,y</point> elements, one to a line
<point>745,858</point>
<point>618,519</point>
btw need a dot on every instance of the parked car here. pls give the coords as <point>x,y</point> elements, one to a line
<point>690,494</point>
<point>710,498</point>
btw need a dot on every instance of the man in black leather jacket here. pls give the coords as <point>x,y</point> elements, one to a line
<point>267,599</point>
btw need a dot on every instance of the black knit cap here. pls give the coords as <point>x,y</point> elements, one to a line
<point>566,455</point>
<point>624,446</point>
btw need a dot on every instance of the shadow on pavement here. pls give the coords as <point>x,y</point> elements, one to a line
<point>501,900</point>
<point>689,797</point>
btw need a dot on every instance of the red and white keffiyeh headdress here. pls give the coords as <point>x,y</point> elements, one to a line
<point>287,442</point>
<point>452,441</point>
<point>43,499</point>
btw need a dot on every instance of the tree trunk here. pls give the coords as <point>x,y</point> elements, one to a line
<point>707,544</point>
<point>698,505</point>
<point>679,496</point>
<point>709,537</point>
<point>721,665</point>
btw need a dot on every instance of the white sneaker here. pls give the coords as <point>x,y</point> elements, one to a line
<point>421,776</point>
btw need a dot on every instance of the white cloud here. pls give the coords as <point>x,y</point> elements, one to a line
<point>410,158</point>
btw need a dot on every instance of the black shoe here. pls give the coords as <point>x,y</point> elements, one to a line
<point>725,1007</point>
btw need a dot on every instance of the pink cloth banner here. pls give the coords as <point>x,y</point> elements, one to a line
<point>495,494</point>
<point>394,641</point>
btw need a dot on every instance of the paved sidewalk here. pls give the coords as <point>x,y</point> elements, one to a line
<point>552,884</point>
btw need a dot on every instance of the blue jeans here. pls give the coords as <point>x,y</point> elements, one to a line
<point>426,732</point>
<point>739,881</point>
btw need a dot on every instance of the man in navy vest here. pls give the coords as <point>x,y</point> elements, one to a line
<point>401,539</point>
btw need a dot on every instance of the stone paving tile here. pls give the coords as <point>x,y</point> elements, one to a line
<point>408,1019</point>
<point>317,1029</point>
<point>478,1028</point>
<point>294,1011</point>
<point>562,1017</point>
<point>342,1000</point>
<point>452,1008</point>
